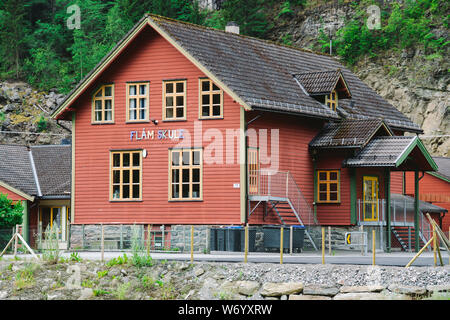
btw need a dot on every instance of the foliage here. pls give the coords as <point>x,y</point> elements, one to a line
<point>10,212</point>
<point>120,260</point>
<point>42,124</point>
<point>50,245</point>
<point>25,277</point>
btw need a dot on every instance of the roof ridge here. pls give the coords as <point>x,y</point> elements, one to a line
<point>152,15</point>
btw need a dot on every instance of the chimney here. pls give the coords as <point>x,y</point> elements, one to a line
<point>232,27</point>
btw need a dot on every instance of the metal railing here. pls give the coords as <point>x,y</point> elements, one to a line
<point>401,215</point>
<point>281,186</point>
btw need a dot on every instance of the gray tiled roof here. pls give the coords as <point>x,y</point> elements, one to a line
<point>259,70</point>
<point>16,169</point>
<point>320,82</point>
<point>401,202</point>
<point>443,166</point>
<point>52,165</point>
<point>347,133</point>
<point>381,152</point>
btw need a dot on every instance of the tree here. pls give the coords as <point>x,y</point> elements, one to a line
<point>10,212</point>
<point>249,15</point>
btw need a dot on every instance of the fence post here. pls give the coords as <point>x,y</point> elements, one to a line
<point>361,230</point>
<point>192,244</point>
<point>329,240</point>
<point>103,242</point>
<point>373,247</point>
<point>281,245</point>
<point>291,238</point>
<point>323,245</point>
<point>15,239</point>
<point>434,246</point>
<point>148,240</point>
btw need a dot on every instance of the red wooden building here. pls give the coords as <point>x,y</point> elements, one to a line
<point>185,125</point>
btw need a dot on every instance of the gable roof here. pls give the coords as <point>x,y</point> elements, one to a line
<point>258,74</point>
<point>393,152</point>
<point>349,133</point>
<point>42,171</point>
<point>322,82</point>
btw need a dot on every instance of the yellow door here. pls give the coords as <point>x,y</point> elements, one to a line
<point>253,171</point>
<point>370,198</point>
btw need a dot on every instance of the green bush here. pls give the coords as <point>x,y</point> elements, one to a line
<point>10,212</point>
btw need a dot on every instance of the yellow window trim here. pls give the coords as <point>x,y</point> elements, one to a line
<point>174,94</point>
<point>121,169</point>
<point>138,97</point>
<point>328,182</point>
<point>331,100</point>
<point>103,98</point>
<point>211,105</point>
<point>181,166</point>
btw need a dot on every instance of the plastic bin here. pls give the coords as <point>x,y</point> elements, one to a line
<point>272,237</point>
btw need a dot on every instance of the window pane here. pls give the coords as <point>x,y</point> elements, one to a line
<point>116,176</point>
<point>116,160</point>
<point>195,175</point>
<point>108,91</point>
<point>180,112</point>
<point>169,87</point>
<point>205,85</point>
<point>216,98</point>
<point>136,159</point>
<point>133,114</point>
<point>180,87</point>
<point>323,176</point>
<point>142,103</point>
<point>185,191</point>
<point>205,111</point>
<point>333,187</point>
<point>142,89</point>
<point>175,191</point>
<point>205,99</point>
<point>196,190</point>
<point>136,191</point>
<point>98,105</point>
<point>108,115</point>
<point>169,101</point>
<point>143,114</point>
<point>126,192</point>
<point>333,196</point>
<point>176,175</point>
<point>99,93</point>
<point>125,176</point>
<point>116,192</point>
<point>333,175</point>
<point>322,196</point>
<point>175,158</point>
<point>136,176</point>
<point>216,110</point>
<point>133,90</point>
<point>108,104</point>
<point>196,157</point>
<point>215,87</point>
<point>322,187</point>
<point>125,160</point>
<point>180,101</point>
<point>186,155</point>
<point>185,175</point>
<point>133,103</point>
<point>98,116</point>
<point>169,113</point>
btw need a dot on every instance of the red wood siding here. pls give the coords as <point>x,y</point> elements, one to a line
<point>433,190</point>
<point>397,182</point>
<point>11,195</point>
<point>294,135</point>
<point>339,213</point>
<point>151,58</point>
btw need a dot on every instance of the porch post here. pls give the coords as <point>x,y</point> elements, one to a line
<point>387,193</point>
<point>416,210</point>
<point>353,219</point>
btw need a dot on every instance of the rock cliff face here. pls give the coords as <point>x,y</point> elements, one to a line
<point>25,116</point>
<point>416,84</point>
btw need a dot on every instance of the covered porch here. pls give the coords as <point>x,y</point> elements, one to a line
<point>375,206</point>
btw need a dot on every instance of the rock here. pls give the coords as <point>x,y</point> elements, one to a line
<point>307,297</point>
<point>198,272</point>
<point>321,290</point>
<point>3,295</point>
<point>360,296</point>
<point>272,289</point>
<point>439,288</point>
<point>86,293</point>
<point>123,272</point>
<point>358,289</point>
<point>408,290</point>
<point>247,288</point>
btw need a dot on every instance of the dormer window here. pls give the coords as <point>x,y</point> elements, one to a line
<point>331,100</point>
<point>103,105</point>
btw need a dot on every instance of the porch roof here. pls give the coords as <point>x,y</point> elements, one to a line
<point>405,153</point>
<point>400,201</point>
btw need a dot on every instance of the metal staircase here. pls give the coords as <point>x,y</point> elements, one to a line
<point>285,198</point>
<point>406,236</point>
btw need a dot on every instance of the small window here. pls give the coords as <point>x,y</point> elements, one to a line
<point>103,105</point>
<point>174,100</point>
<point>211,97</point>
<point>185,174</point>
<point>126,175</point>
<point>331,100</point>
<point>137,101</point>
<point>328,189</point>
